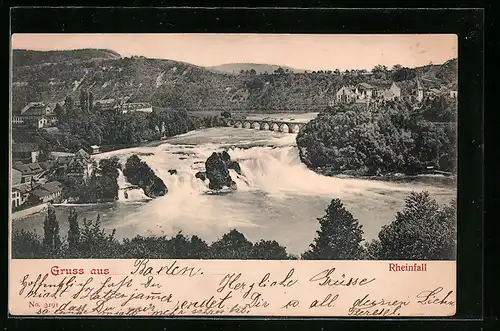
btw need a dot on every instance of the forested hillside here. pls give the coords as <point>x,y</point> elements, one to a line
<point>236,68</point>
<point>27,57</point>
<point>167,83</point>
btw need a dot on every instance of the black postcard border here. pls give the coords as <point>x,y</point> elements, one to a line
<point>466,23</point>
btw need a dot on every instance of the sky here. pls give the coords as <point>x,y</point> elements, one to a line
<point>300,51</point>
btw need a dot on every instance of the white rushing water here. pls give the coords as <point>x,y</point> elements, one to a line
<point>277,197</point>
<point>128,192</point>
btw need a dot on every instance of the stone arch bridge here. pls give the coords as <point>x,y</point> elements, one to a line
<point>278,126</point>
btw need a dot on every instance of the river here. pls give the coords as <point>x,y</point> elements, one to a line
<point>278,198</point>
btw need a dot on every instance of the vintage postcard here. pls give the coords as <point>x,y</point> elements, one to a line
<point>233,175</point>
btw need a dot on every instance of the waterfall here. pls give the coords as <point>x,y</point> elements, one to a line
<point>127,191</point>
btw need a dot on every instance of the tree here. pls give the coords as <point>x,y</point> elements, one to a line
<point>396,67</point>
<point>59,111</point>
<point>26,245</point>
<point>90,102</point>
<point>198,249</point>
<point>69,104</point>
<point>379,71</point>
<point>422,231</point>
<point>268,250</point>
<point>94,242</point>
<point>180,246</point>
<point>280,71</point>
<point>379,68</point>
<point>83,100</point>
<point>74,229</point>
<point>51,239</point>
<point>339,237</point>
<point>232,245</point>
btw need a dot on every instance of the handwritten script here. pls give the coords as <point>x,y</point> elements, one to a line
<point>187,287</point>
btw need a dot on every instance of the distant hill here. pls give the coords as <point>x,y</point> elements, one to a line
<point>165,83</point>
<point>236,68</point>
<point>22,57</point>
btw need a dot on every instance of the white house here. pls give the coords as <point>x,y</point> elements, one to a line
<point>346,94</point>
<point>36,114</point>
<point>16,198</point>
<point>95,149</point>
<point>20,194</point>
<point>365,91</point>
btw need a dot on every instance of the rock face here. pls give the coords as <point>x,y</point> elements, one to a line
<point>217,171</point>
<point>201,175</point>
<point>139,173</point>
<point>157,188</point>
<point>172,172</point>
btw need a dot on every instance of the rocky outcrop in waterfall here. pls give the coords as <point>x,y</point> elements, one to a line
<point>140,174</point>
<point>201,175</point>
<point>234,166</point>
<point>217,170</point>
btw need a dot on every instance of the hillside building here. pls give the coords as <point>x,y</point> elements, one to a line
<point>29,172</point>
<point>365,91</point>
<point>15,177</point>
<point>25,152</point>
<point>95,149</point>
<point>392,93</point>
<point>143,107</point>
<point>106,104</point>
<point>35,115</point>
<point>346,94</point>
<point>47,192</point>
<point>78,165</point>
<point>20,194</point>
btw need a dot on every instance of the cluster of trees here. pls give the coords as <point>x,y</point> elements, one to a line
<point>100,187</point>
<point>423,230</point>
<point>393,137</point>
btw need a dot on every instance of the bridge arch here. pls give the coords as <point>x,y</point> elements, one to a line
<point>283,127</point>
<point>247,125</point>
<point>294,128</point>
<point>264,126</point>
<point>229,123</point>
<point>256,125</point>
<point>274,126</point>
<point>238,124</point>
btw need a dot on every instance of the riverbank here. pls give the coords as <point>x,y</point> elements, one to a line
<point>435,179</point>
<point>29,211</point>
